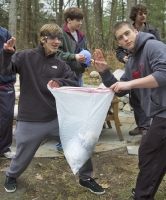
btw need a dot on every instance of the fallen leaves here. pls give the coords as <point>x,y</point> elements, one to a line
<point>39,176</point>
<point>105,186</point>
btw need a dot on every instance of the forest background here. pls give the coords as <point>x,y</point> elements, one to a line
<point>23,18</point>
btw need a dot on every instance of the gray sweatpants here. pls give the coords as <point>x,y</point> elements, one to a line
<point>28,136</point>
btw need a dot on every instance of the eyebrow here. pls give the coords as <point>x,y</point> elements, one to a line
<point>121,36</point>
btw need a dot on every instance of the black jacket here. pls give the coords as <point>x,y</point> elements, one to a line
<point>4,37</point>
<point>36,103</point>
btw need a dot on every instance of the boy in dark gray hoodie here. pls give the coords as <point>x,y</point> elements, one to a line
<point>146,74</point>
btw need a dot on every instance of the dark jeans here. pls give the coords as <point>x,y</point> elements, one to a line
<point>141,120</point>
<point>152,162</point>
<point>7,99</point>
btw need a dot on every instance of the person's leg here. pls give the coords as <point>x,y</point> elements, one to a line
<point>28,136</point>
<point>54,130</point>
<point>152,162</point>
<point>80,81</point>
<point>7,99</point>
<point>143,122</point>
<point>85,179</point>
<point>86,170</point>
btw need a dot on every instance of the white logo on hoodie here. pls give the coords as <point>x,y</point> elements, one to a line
<point>55,67</point>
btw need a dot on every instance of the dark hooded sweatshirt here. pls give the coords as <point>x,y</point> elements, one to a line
<point>121,52</point>
<point>4,37</point>
<point>36,103</point>
<point>149,58</point>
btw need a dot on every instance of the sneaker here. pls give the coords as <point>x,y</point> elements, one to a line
<point>91,185</point>
<point>10,184</point>
<point>9,154</point>
<point>59,148</point>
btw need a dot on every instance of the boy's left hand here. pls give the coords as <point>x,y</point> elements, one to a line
<point>120,86</point>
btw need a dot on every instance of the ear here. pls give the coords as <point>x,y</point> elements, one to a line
<point>68,20</point>
<point>42,40</point>
<point>118,43</point>
<point>135,31</point>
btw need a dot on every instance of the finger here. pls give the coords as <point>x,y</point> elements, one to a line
<point>5,46</point>
<point>113,86</point>
<point>50,83</point>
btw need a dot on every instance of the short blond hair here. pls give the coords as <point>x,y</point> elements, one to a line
<point>50,29</point>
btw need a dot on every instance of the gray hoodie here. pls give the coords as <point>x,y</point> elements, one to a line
<point>149,57</point>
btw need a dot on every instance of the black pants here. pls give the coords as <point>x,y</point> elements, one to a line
<point>152,162</point>
<point>141,120</point>
<point>7,99</point>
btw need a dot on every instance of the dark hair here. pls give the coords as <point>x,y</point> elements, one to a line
<point>73,13</point>
<point>120,25</point>
<point>135,9</point>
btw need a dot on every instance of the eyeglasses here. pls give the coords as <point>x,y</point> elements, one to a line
<point>53,37</point>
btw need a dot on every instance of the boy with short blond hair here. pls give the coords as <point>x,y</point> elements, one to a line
<point>37,114</point>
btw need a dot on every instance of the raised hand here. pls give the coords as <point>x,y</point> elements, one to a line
<point>9,45</point>
<point>100,62</point>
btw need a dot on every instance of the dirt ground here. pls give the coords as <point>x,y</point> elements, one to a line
<point>52,179</point>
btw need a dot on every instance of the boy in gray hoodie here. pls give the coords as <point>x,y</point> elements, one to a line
<point>146,74</point>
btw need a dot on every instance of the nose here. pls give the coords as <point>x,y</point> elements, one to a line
<point>125,37</point>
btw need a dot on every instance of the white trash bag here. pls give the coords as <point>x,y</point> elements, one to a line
<point>81,115</point>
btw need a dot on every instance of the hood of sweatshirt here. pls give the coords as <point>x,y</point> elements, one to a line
<point>141,40</point>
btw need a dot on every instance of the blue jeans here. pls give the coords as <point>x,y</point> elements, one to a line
<point>80,81</point>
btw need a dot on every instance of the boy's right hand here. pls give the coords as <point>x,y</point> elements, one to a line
<point>100,63</point>
<point>81,58</point>
<point>9,45</point>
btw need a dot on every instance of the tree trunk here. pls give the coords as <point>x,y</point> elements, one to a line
<point>84,6</point>
<point>130,3</point>
<point>98,28</point>
<point>112,19</point>
<point>12,17</point>
<point>35,22</point>
<point>29,24</point>
<point>60,14</point>
<point>22,31</point>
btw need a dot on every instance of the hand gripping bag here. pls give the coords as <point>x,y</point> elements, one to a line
<point>81,115</point>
